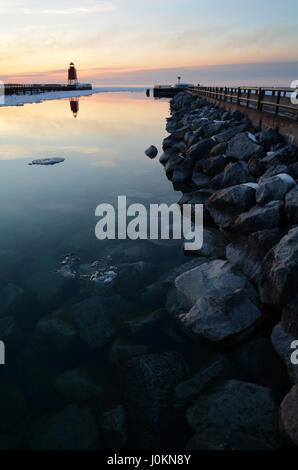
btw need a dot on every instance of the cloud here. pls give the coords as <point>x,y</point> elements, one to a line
<point>23,8</point>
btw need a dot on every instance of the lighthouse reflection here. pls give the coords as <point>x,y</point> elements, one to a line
<point>74,106</point>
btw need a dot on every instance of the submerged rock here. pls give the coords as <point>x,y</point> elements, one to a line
<point>239,407</point>
<point>114,428</point>
<point>289,416</point>
<point>73,428</point>
<point>149,382</point>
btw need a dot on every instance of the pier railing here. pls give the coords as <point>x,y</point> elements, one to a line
<point>276,101</point>
<point>17,89</point>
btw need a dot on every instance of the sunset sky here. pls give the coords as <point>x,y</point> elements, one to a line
<point>145,41</point>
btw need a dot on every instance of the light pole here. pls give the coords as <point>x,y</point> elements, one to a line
<point>179,79</point>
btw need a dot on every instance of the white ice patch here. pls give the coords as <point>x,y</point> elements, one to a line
<point>252,137</point>
<point>286,178</point>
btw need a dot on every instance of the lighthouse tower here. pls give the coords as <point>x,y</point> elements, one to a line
<point>72,75</point>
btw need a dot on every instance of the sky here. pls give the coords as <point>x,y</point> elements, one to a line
<point>142,42</point>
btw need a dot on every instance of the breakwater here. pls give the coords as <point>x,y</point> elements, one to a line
<point>246,178</point>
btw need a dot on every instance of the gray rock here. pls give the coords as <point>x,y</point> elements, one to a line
<point>201,149</point>
<point>218,149</point>
<point>10,332</point>
<point>281,341</point>
<point>213,128</point>
<point>73,428</point>
<point>146,325</point>
<point>11,297</point>
<point>54,337</point>
<point>278,278</point>
<point>156,294</point>
<point>237,406</point>
<point>123,350</point>
<point>199,179</point>
<point>149,382</point>
<point>77,386</point>
<point>215,278</point>
<point>113,427</point>
<point>225,318</point>
<point>274,188</point>
<point>268,137</point>
<point>213,165</point>
<point>92,317</point>
<point>257,218</point>
<point>291,206</point>
<point>228,134</point>
<point>289,319</point>
<point>285,155</point>
<point>275,170</point>
<point>241,147</point>
<point>214,244</point>
<point>289,416</point>
<point>229,202</point>
<point>247,253</point>
<point>186,392</point>
<point>234,173</point>
<point>224,439</point>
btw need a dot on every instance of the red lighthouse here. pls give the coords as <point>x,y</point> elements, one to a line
<point>72,75</point>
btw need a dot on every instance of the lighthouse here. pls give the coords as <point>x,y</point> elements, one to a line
<point>72,75</point>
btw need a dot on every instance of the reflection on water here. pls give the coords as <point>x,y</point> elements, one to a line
<point>74,105</point>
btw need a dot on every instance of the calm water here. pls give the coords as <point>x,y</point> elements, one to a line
<point>48,211</point>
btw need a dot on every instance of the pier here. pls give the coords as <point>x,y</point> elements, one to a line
<point>23,89</point>
<point>265,107</point>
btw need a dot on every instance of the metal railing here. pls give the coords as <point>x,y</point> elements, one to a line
<point>271,100</point>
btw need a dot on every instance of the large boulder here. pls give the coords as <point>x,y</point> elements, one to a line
<point>201,149</point>
<point>215,370</point>
<point>233,174</point>
<point>238,407</point>
<point>247,253</point>
<point>73,428</point>
<point>149,382</point>
<point>78,386</point>
<point>226,318</point>
<point>274,188</point>
<point>291,206</point>
<point>10,332</point>
<point>285,155</point>
<point>213,279</point>
<point>54,337</point>
<point>213,165</point>
<point>93,319</point>
<point>242,147</point>
<point>257,218</point>
<point>268,137</point>
<point>228,134</point>
<point>289,416</point>
<point>114,428</point>
<point>229,202</point>
<point>278,278</point>
<point>11,297</point>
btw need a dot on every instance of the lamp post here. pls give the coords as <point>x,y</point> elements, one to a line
<point>179,79</point>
